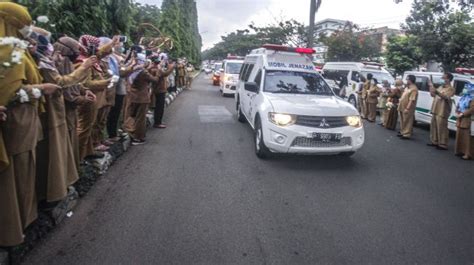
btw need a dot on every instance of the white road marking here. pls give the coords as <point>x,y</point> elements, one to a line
<point>214,114</point>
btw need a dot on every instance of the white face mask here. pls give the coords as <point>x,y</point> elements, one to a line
<point>26,31</point>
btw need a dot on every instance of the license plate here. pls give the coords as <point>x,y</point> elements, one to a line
<point>327,137</point>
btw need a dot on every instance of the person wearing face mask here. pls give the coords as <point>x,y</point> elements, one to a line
<point>56,167</point>
<point>392,104</point>
<point>364,95</point>
<point>20,92</point>
<point>66,51</point>
<point>120,90</point>
<point>138,98</point>
<point>97,83</point>
<point>372,100</point>
<point>464,146</point>
<point>406,108</point>
<point>440,110</point>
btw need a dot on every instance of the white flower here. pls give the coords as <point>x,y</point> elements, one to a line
<point>42,19</point>
<point>16,57</point>
<point>110,72</point>
<point>36,93</point>
<point>115,79</point>
<point>6,64</point>
<point>23,96</point>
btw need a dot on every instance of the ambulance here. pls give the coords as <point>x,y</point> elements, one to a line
<point>291,108</point>
<point>423,105</point>
<point>347,77</point>
<point>230,75</point>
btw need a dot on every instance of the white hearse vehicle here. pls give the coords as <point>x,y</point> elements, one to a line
<point>291,108</point>
<point>347,75</point>
<point>230,76</point>
<point>423,105</point>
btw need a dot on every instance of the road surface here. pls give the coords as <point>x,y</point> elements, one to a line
<point>197,194</point>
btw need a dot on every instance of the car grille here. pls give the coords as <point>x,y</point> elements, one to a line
<point>310,142</point>
<point>321,122</point>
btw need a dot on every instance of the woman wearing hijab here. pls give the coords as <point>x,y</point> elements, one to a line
<point>97,83</point>
<point>56,168</point>
<point>464,111</point>
<point>66,51</point>
<point>391,113</point>
<point>20,92</point>
<point>138,98</point>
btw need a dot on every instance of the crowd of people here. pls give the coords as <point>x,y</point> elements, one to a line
<point>399,103</point>
<point>66,100</point>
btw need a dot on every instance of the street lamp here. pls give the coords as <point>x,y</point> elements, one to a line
<point>314,6</point>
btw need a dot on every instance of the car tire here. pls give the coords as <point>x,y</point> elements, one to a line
<point>260,149</point>
<point>353,101</point>
<point>240,115</point>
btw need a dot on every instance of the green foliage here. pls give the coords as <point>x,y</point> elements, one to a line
<point>444,33</point>
<point>241,42</point>
<point>349,44</point>
<point>403,54</point>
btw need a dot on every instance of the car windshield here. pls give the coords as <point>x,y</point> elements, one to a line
<point>217,66</point>
<point>233,68</point>
<point>381,76</point>
<point>296,83</point>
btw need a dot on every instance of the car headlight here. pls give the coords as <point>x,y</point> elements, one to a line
<point>354,121</point>
<point>281,119</point>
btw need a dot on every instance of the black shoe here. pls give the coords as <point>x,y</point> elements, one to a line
<point>441,148</point>
<point>399,134</point>
<point>138,142</point>
<point>404,138</point>
<point>431,144</point>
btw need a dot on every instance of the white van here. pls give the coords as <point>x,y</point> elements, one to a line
<point>230,76</point>
<point>290,106</point>
<point>423,106</point>
<point>347,76</point>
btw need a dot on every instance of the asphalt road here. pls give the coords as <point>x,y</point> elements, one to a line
<point>197,194</point>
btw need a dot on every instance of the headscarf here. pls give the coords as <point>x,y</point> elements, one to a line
<point>44,49</point>
<point>14,17</point>
<point>465,100</point>
<point>112,61</point>
<point>86,41</point>
<point>141,59</point>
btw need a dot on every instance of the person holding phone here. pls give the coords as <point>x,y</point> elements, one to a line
<point>440,111</point>
<point>464,110</point>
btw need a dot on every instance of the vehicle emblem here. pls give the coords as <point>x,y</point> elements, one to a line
<point>324,124</point>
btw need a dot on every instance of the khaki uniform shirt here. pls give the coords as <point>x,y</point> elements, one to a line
<point>442,101</point>
<point>365,89</point>
<point>465,121</point>
<point>372,94</point>
<point>410,94</point>
<point>139,91</point>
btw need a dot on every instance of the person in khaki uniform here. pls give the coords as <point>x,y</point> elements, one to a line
<point>56,167</point>
<point>20,129</point>
<point>464,147</point>
<point>364,95</point>
<point>138,98</point>
<point>440,110</point>
<point>406,108</point>
<point>360,101</point>
<point>372,101</point>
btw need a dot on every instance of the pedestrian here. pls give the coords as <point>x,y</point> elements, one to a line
<point>464,110</point>
<point>391,113</point>
<point>364,94</point>
<point>360,100</point>
<point>440,111</point>
<point>189,75</point>
<point>20,94</point>
<point>138,98</point>
<point>406,108</point>
<point>382,104</point>
<point>161,71</point>
<point>372,99</point>
<point>181,74</point>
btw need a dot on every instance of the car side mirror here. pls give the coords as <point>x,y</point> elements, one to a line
<point>251,87</point>
<point>221,70</point>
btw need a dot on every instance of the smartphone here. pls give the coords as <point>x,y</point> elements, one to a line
<point>123,38</point>
<point>92,50</point>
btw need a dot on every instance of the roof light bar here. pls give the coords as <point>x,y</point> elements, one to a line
<point>288,49</point>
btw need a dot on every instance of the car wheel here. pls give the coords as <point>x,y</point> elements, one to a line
<point>260,149</point>
<point>353,101</point>
<point>240,115</point>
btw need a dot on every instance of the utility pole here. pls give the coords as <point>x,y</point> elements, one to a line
<point>315,4</point>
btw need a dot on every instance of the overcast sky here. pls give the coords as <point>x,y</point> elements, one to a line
<point>219,17</point>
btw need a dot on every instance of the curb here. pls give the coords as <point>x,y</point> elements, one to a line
<point>89,172</point>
